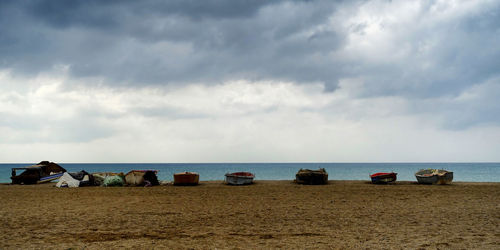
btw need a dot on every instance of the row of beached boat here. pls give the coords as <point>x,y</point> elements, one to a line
<point>320,176</point>
<point>192,178</point>
<point>424,176</point>
<point>48,171</point>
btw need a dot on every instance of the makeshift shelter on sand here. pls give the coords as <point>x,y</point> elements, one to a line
<point>113,181</point>
<point>67,181</point>
<point>85,178</point>
<point>312,177</point>
<point>44,171</point>
<point>100,177</point>
<point>145,178</point>
<point>78,179</point>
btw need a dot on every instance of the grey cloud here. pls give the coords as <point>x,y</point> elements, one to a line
<point>478,106</point>
<point>171,113</point>
<point>135,43</point>
<point>99,14</point>
<point>43,129</point>
<point>123,42</point>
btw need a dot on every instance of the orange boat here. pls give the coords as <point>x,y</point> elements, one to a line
<point>186,178</point>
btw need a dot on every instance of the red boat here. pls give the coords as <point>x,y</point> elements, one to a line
<point>186,178</point>
<point>383,178</point>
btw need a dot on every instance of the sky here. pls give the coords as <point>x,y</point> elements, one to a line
<point>249,81</point>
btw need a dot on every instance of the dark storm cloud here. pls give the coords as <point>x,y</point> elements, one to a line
<point>175,42</point>
<point>107,13</point>
<point>178,41</point>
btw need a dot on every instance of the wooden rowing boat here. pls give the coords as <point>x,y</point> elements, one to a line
<point>434,176</point>
<point>186,178</point>
<point>383,178</point>
<point>312,177</point>
<point>239,178</point>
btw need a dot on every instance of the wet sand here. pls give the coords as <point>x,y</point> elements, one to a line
<point>268,214</point>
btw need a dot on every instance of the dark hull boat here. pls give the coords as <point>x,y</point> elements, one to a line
<point>434,176</point>
<point>186,179</point>
<point>42,172</point>
<point>312,177</point>
<point>383,178</point>
<point>239,178</point>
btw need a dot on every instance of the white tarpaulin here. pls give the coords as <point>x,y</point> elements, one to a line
<point>67,181</point>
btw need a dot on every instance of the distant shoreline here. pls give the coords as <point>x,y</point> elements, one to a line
<point>464,172</point>
<point>330,182</point>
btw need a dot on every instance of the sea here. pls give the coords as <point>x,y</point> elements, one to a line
<point>466,172</point>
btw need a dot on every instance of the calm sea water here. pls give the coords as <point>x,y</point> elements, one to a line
<point>471,172</point>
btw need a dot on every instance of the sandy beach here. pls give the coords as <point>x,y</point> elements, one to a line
<point>268,214</point>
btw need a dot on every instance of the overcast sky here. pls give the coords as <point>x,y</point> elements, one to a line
<point>249,81</point>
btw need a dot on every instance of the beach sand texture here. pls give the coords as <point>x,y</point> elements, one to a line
<point>268,214</point>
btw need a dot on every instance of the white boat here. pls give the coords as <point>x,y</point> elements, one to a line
<point>239,178</point>
<point>434,176</point>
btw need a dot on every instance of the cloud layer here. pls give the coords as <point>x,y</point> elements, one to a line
<point>250,80</point>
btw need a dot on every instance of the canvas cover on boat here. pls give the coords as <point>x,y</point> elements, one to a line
<point>113,181</point>
<point>67,180</point>
<point>98,178</point>
<point>142,178</point>
<point>85,178</point>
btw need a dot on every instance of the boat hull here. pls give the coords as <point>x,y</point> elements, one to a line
<point>186,179</point>
<point>383,178</point>
<point>427,179</point>
<point>50,178</point>
<point>445,179</point>
<point>239,178</point>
